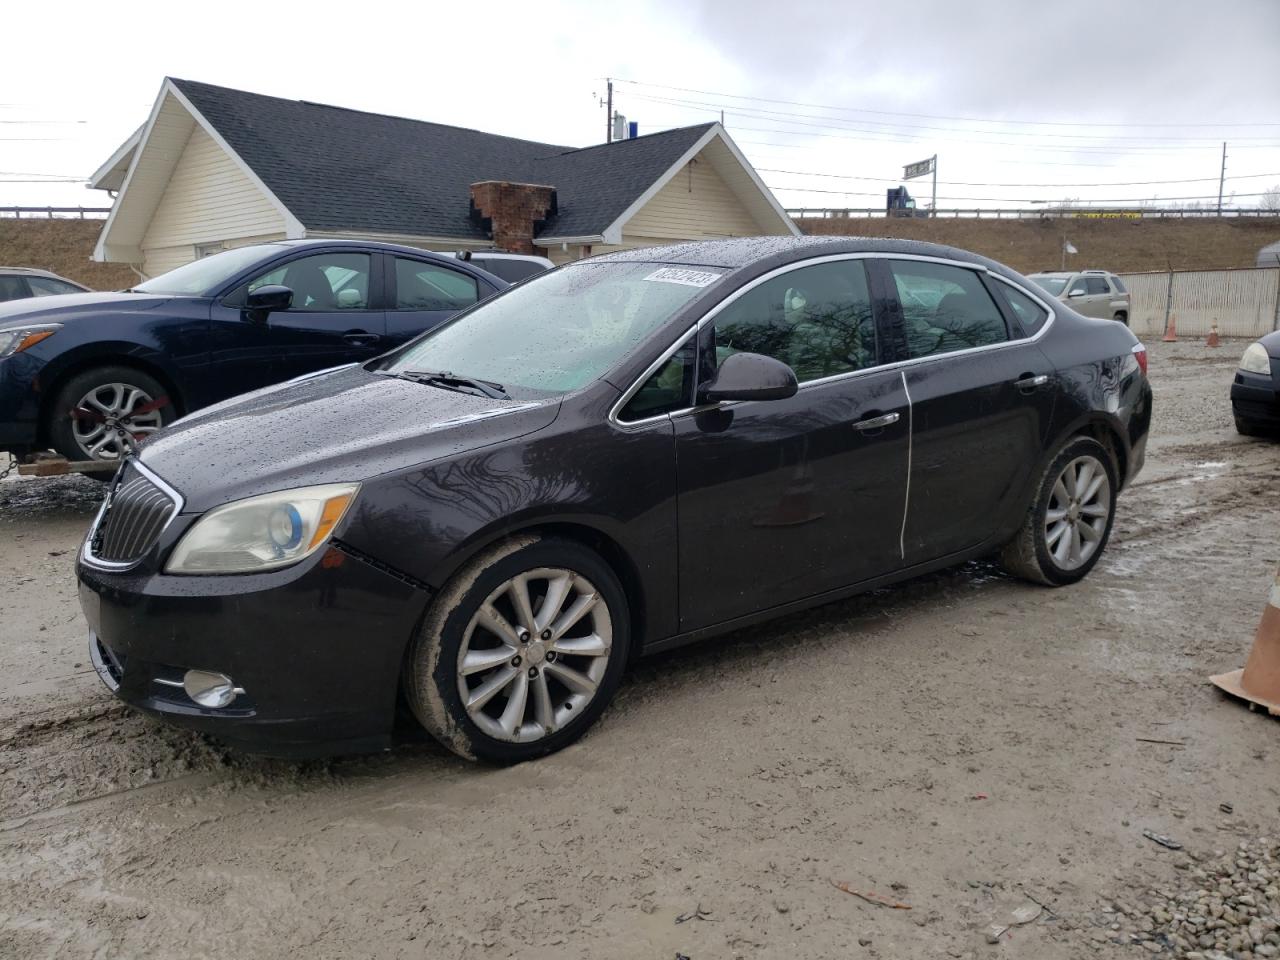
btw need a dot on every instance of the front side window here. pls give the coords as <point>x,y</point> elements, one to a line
<point>564,330</point>
<point>1096,285</point>
<point>48,287</point>
<point>668,390</point>
<point>425,286</point>
<point>816,319</point>
<point>1078,287</point>
<point>1030,314</point>
<point>324,282</point>
<point>945,308</point>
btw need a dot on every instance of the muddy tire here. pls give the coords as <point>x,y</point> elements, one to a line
<point>1248,428</point>
<point>1121,317</point>
<point>106,395</point>
<point>521,652</point>
<point>1069,521</point>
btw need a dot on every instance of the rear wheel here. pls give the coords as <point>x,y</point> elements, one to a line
<point>1069,521</point>
<point>1121,317</point>
<point>521,652</point>
<point>97,411</point>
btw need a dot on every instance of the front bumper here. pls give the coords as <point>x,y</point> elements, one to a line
<point>1255,397</point>
<point>317,648</point>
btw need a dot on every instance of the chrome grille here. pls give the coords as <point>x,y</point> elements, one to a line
<point>137,509</point>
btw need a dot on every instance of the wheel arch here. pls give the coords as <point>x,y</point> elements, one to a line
<point>87,362</point>
<point>1107,432</point>
<point>590,536</point>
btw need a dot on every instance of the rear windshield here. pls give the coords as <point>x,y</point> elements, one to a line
<point>1052,285</point>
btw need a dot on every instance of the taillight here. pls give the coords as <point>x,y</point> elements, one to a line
<point>1140,352</point>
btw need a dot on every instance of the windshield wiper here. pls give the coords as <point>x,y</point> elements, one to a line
<point>450,380</point>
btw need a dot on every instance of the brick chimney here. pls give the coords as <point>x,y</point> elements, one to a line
<point>512,212</point>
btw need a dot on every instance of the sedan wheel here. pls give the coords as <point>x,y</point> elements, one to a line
<point>521,651</point>
<point>534,654</point>
<point>100,413</point>
<point>1069,520</point>
<point>1078,513</point>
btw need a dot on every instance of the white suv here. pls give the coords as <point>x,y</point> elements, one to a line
<point>1095,293</point>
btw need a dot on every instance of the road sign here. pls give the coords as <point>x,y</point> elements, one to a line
<point>913,170</point>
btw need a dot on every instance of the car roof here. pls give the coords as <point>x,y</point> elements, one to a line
<point>741,251</point>
<point>34,272</point>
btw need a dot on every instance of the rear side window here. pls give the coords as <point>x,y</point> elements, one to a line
<point>945,308</point>
<point>1118,284</point>
<point>1030,314</point>
<point>816,319</point>
<point>1096,285</point>
<point>424,286</point>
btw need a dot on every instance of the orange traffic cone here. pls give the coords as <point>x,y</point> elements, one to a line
<point>1259,681</point>
<point>1171,331</point>
<point>1212,340</point>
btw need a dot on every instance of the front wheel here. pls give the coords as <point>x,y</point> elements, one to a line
<point>521,652</point>
<point>1248,428</point>
<point>1070,518</point>
<point>92,413</point>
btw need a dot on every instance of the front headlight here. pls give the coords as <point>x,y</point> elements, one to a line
<point>1255,359</point>
<point>262,533</point>
<point>16,339</point>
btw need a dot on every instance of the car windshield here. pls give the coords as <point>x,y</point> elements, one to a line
<point>560,331</point>
<point>1052,285</point>
<point>204,277</point>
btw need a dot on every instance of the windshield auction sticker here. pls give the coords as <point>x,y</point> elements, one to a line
<point>690,278</point>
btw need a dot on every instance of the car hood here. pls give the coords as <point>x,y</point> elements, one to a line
<point>342,425</point>
<point>74,306</point>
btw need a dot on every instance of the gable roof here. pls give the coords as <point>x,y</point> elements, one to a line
<point>332,168</point>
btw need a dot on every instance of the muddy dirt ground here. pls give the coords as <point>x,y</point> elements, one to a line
<point>960,743</point>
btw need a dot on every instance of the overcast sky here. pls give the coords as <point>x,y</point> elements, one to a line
<point>828,100</point>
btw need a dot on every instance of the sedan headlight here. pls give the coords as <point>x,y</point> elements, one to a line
<point>16,339</point>
<point>1255,359</point>
<point>262,533</point>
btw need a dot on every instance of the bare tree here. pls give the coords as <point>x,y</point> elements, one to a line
<point>1271,199</point>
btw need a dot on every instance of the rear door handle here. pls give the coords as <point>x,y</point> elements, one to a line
<point>875,423</point>
<point>1027,384</point>
<point>361,339</point>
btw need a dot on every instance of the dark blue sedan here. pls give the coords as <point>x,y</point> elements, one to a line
<point>83,373</point>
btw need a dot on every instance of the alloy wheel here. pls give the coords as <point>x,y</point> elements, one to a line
<point>106,410</point>
<point>1079,508</point>
<point>534,654</point>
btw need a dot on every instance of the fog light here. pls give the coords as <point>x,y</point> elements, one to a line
<point>210,689</point>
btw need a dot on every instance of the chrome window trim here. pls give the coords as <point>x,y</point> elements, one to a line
<point>86,551</point>
<point>813,261</point>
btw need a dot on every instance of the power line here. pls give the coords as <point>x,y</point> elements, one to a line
<point>932,116</point>
<point>841,123</point>
<point>967,183</point>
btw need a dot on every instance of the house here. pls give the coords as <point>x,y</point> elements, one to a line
<point>214,168</point>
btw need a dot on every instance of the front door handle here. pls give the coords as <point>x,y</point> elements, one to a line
<point>358,338</point>
<point>876,423</point>
<point>1027,384</point>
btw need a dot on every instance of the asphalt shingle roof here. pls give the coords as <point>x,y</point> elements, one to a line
<point>339,169</point>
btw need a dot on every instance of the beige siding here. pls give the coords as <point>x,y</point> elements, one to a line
<point>695,205</point>
<point>208,199</point>
<point>163,259</point>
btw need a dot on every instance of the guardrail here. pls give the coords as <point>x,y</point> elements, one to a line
<point>1035,213</point>
<point>50,213</point>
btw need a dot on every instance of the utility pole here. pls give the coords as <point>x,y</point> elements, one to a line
<point>933,207</point>
<point>1222,176</point>
<point>608,113</point>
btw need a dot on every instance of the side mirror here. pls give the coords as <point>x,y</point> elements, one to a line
<point>750,376</point>
<point>268,299</point>
<point>1077,292</point>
